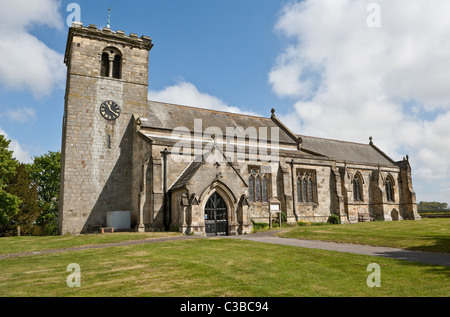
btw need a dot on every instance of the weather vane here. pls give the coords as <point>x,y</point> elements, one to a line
<point>109,18</point>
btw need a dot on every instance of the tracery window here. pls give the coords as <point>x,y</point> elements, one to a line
<point>357,187</point>
<point>258,186</point>
<point>306,186</point>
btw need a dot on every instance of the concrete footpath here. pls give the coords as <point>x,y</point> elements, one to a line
<point>399,254</point>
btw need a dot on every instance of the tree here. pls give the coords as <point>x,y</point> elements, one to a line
<point>45,172</point>
<point>22,187</point>
<point>430,206</point>
<point>9,204</point>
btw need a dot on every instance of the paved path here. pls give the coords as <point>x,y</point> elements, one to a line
<point>416,256</point>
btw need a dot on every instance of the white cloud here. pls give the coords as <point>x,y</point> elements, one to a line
<point>185,93</point>
<point>21,115</point>
<point>350,81</point>
<point>18,152</point>
<point>23,13</point>
<point>25,61</point>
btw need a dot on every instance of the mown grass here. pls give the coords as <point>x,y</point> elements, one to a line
<point>432,235</point>
<point>229,267</point>
<point>215,268</point>
<point>34,244</point>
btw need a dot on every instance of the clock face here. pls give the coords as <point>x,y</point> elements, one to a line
<point>110,110</point>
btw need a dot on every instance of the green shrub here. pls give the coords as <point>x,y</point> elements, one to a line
<point>260,225</point>
<point>334,219</point>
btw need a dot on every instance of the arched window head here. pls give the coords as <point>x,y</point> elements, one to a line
<point>111,65</point>
<point>357,187</point>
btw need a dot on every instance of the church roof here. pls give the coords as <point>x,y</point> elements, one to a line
<point>346,151</point>
<point>170,116</point>
<point>187,174</point>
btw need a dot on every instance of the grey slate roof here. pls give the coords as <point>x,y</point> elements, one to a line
<point>346,151</point>
<point>187,174</point>
<point>170,116</point>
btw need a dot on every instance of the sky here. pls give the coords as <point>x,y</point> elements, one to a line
<point>340,69</point>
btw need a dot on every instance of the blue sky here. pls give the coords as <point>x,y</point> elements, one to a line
<point>326,69</point>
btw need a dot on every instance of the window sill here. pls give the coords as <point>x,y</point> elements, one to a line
<point>308,204</point>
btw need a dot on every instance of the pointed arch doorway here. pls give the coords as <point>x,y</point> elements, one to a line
<point>216,216</point>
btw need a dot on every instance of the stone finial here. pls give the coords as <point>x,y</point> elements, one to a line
<point>370,140</point>
<point>273,111</point>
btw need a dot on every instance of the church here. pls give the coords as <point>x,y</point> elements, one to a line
<point>135,164</point>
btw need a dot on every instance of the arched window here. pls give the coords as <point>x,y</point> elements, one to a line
<point>258,187</point>
<point>117,67</point>
<point>105,65</point>
<point>251,188</point>
<point>264,191</point>
<point>111,65</point>
<point>306,186</point>
<point>299,190</point>
<point>357,187</point>
<point>389,185</point>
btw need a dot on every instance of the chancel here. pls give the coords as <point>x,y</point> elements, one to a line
<point>125,154</point>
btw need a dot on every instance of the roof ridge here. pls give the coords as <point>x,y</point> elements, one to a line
<point>210,110</point>
<point>327,139</point>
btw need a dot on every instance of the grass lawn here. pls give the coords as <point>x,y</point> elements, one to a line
<point>214,268</point>
<point>34,244</point>
<point>431,235</point>
<point>228,267</point>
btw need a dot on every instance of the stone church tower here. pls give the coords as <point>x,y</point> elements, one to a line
<point>107,81</point>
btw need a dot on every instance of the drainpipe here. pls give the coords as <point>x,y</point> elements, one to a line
<point>166,216</point>
<point>293,190</point>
